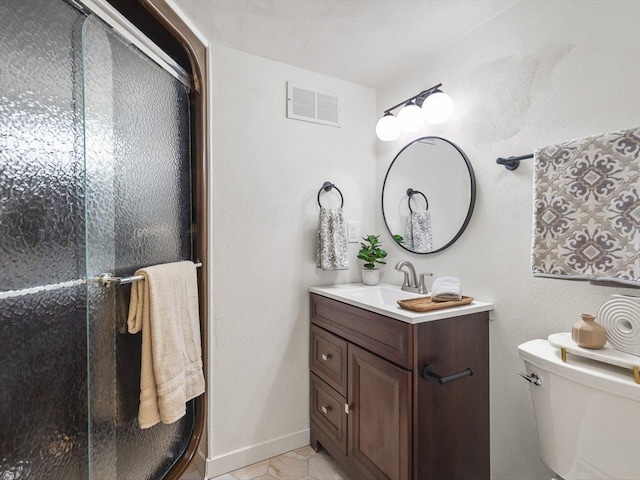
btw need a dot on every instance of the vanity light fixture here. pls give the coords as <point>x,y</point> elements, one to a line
<point>437,108</point>
<point>410,117</point>
<point>431,105</point>
<point>388,127</point>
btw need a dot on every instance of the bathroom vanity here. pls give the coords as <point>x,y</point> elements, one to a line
<point>374,407</point>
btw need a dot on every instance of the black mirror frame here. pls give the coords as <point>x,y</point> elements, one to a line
<point>472,201</point>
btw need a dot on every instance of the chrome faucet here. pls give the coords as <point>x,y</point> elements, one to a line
<point>410,282</point>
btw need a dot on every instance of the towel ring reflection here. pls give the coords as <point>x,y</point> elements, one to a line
<point>327,187</point>
<point>411,192</point>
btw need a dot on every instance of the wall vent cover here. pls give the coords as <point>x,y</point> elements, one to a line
<point>313,105</point>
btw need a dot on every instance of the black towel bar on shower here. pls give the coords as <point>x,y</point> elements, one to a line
<point>411,192</point>
<point>511,163</point>
<point>327,187</point>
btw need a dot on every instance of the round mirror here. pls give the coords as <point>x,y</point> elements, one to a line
<point>428,195</point>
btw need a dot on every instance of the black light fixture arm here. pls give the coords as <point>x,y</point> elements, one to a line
<point>419,98</point>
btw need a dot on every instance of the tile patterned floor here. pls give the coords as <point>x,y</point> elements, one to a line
<point>300,464</point>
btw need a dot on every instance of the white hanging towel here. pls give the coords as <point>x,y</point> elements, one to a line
<point>164,306</point>
<point>418,237</point>
<point>332,251</point>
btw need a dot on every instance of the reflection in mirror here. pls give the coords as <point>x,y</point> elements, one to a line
<point>428,194</point>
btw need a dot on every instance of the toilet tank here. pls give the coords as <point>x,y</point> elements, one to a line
<point>587,413</point>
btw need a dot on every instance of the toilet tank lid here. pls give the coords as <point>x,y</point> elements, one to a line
<point>597,375</point>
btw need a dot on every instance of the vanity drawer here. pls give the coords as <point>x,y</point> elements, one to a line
<point>329,358</point>
<point>387,337</point>
<point>327,412</point>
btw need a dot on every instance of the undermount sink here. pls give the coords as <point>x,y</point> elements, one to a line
<point>383,299</point>
<point>381,295</point>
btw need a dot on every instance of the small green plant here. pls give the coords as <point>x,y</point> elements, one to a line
<point>371,252</point>
<point>398,239</point>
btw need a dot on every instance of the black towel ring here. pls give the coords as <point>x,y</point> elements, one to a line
<point>327,186</point>
<point>411,192</point>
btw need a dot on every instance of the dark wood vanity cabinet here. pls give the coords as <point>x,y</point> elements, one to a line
<point>375,414</point>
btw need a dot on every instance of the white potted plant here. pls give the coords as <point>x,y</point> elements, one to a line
<point>371,253</point>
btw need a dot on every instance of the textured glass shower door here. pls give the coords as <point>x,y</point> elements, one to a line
<point>94,178</point>
<point>43,358</point>
<point>138,213</point>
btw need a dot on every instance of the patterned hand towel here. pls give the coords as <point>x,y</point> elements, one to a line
<point>418,237</point>
<point>586,210</point>
<point>332,240</point>
<point>445,289</point>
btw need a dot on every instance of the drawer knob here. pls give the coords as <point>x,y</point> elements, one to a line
<point>325,410</point>
<point>325,357</point>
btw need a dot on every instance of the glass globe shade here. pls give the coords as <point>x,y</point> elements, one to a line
<point>410,118</point>
<point>437,108</point>
<point>388,128</point>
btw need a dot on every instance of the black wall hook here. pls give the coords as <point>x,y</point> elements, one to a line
<point>327,187</point>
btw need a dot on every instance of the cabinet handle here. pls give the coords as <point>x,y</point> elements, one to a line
<point>325,357</point>
<point>325,410</point>
<point>428,371</point>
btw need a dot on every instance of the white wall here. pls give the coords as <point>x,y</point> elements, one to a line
<point>542,72</point>
<point>265,174</point>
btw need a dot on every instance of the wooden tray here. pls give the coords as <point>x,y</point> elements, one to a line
<point>425,304</point>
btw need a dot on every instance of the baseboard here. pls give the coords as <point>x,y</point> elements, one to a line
<point>255,453</point>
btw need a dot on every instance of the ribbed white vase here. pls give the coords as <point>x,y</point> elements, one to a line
<point>620,317</point>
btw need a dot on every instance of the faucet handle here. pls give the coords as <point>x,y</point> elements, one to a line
<point>422,288</point>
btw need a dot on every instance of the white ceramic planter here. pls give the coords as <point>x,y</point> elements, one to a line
<point>370,277</point>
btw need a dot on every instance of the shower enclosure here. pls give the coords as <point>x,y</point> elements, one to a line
<point>95,177</point>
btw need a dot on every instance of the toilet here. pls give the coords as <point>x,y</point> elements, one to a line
<point>587,413</point>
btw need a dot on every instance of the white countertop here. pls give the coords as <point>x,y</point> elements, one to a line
<point>383,298</point>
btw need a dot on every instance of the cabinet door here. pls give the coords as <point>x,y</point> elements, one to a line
<point>452,429</point>
<point>380,416</point>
